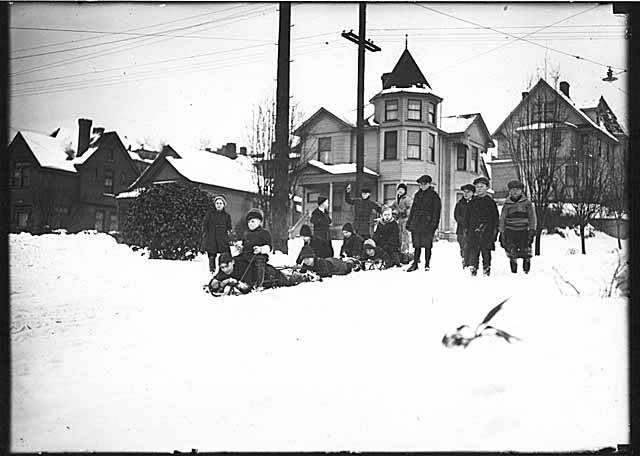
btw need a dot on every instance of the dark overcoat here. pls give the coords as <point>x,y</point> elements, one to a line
<point>424,215</point>
<point>460,214</point>
<point>321,223</point>
<point>216,227</point>
<point>352,246</point>
<point>482,221</point>
<point>363,213</point>
<point>252,238</point>
<point>387,235</point>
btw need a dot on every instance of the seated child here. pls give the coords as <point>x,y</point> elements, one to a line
<point>320,246</point>
<point>256,246</point>
<point>226,281</point>
<point>387,236</point>
<point>352,243</point>
<point>374,256</point>
<point>324,267</point>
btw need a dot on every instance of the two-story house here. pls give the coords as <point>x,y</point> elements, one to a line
<point>53,185</point>
<point>405,137</point>
<point>546,123</point>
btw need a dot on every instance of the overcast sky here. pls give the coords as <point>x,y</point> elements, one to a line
<point>185,72</point>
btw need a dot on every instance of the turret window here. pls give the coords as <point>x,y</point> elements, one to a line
<point>391,110</point>
<point>414,110</point>
<point>432,147</point>
<point>432,113</point>
<point>391,145</point>
<point>413,145</point>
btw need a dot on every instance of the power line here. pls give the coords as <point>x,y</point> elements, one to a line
<point>142,40</point>
<point>514,36</point>
<point>60,43</point>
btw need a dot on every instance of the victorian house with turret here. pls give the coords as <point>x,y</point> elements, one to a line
<point>405,136</point>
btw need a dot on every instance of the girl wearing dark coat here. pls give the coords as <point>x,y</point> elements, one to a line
<point>363,209</point>
<point>387,236</point>
<point>423,221</point>
<point>482,222</point>
<point>320,219</point>
<point>216,227</point>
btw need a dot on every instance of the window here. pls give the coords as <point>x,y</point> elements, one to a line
<point>324,149</point>
<point>432,113</point>
<point>413,145</point>
<point>108,182</point>
<point>99,223</point>
<point>22,218</point>
<point>414,110</point>
<point>432,147</point>
<point>123,180</point>
<point>535,140</point>
<point>461,161</point>
<point>112,222</point>
<point>571,175</point>
<point>556,138</point>
<point>474,158</point>
<point>21,175</point>
<point>391,110</point>
<point>599,147</point>
<point>391,145</point>
<point>537,111</point>
<point>389,193</point>
<point>585,141</point>
<point>312,197</point>
<point>110,155</point>
<point>549,111</point>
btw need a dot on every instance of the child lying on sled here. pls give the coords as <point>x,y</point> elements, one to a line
<point>228,280</point>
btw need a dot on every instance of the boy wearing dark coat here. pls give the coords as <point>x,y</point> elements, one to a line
<point>321,247</point>
<point>423,221</point>
<point>228,281</point>
<point>374,255</point>
<point>460,215</point>
<point>482,222</point>
<point>352,243</point>
<point>517,227</point>
<point>256,246</point>
<point>320,219</point>
<point>216,227</point>
<point>324,267</point>
<point>363,208</point>
<point>387,236</point>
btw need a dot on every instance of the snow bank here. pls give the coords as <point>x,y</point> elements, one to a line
<point>112,351</point>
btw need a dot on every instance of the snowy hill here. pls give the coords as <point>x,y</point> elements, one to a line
<point>112,351</point>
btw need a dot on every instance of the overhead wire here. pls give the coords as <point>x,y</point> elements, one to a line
<point>514,36</point>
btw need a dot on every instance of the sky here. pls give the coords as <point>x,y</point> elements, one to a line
<point>191,73</point>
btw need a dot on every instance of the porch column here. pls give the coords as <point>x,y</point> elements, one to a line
<point>331,199</point>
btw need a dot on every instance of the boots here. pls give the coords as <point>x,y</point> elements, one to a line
<point>260,264</point>
<point>486,270</point>
<point>526,265</point>
<point>416,260</point>
<point>413,267</point>
<point>514,266</point>
<point>474,271</point>
<point>427,258</point>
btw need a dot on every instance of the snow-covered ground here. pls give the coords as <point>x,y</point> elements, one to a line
<point>112,351</point>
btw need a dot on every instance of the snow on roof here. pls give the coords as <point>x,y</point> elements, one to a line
<point>215,169</point>
<point>413,89</point>
<point>586,117</point>
<point>456,124</point>
<point>50,152</point>
<point>344,168</point>
<point>85,156</point>
<point>135,156</point>
<point>541,126</point>
<point>131,194</point>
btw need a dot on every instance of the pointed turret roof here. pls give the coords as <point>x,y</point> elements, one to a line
<point>406,73</point>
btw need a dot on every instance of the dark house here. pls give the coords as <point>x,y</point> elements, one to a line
<point>55,186</point>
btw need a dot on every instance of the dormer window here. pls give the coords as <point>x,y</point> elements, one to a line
<point>432,113</point>
<point>391,110</point>
<point>324,149</point>
<point>414,110</point>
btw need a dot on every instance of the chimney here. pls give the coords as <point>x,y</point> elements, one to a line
<point>524,95</point>
<point>84,131</point>
<point>129,148</point>
<point>564,88</point>
<point>243,150</point>
<point>98,130</point>
<point>231,150</point>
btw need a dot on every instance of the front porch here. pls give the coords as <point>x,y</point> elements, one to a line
<point>331,181</point>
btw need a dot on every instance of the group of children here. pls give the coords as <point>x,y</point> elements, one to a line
<point>476,214</point>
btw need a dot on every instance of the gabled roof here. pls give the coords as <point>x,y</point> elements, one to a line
<point>318,113</point>
<point>49,152</point>
<point>461,123</point>
<point>539,85</point>
<point>343,168</point>
<point>406,73</point>
<point>203,167</point>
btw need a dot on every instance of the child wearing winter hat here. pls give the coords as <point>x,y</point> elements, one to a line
<point>324,267</point>
<point>482,223</point>
<point>320,219</point>
<point>256,246</point>
<point>227,280</point>
<point>387,236</point>
<point>216,227</point>
<point>352,243</point>
<point>320,246</point>
<point>517,226</point>
<point>374,256</point>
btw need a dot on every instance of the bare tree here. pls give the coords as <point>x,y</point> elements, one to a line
<point>538,143</point>
<point>617,201</point>
<point>586,183</point>
<point>260,137</point>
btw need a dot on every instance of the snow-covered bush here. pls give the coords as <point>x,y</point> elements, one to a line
<point>166,219</point>
<point>589,230</point>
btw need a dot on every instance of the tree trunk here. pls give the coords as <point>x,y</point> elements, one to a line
<point>541,215</point>
<point>538,236</point>
<point>618,232</point>
<point>582,244</point>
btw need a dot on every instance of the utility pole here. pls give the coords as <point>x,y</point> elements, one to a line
<point>280,203</point>
<point>363,45</point>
